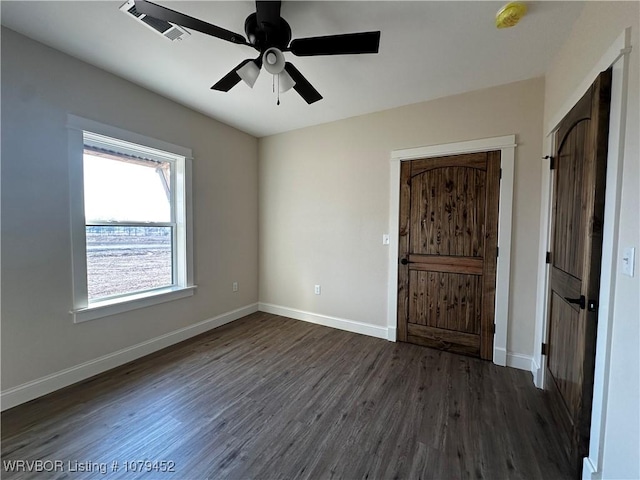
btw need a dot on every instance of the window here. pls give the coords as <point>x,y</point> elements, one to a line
<point>129,216</point>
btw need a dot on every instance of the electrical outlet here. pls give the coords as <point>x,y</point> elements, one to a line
<point>235,286</point>
<point>317,290</point>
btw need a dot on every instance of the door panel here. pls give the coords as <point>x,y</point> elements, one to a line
<point>446,300</point>
<point>448,240</point>
<point>568,245</point>
<point>566,362</point>
<point>443,339</point>
<point>448,205</point>
<point>580,170</point>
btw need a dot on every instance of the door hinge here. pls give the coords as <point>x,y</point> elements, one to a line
<point>548,258</point>
<point>552,163</point>
<point>500,174</point>
<point>545,350</point>
<point>497,252</point>
<point>493,328</point>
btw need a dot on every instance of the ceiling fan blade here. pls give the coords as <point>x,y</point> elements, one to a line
<point>346,44</point>
<point>231,79</point>
<point>268,12</point>
<point>302,86</point>
<point>168,15</point>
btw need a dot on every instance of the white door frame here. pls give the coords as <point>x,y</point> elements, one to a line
<point>617,57</point>
<point>507,146</point>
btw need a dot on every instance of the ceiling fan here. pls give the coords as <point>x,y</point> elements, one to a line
<point>270,35</point>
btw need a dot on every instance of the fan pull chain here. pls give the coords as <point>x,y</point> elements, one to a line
<point>278,102</point>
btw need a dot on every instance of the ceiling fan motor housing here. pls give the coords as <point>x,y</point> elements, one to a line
<point>267,35</point>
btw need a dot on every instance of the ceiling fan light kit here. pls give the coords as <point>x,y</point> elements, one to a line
<point>270,34</point>
<point>249,73</point>
<point>285,82</point>
<point>273,61</point>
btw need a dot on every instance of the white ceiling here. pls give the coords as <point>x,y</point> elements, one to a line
<point>427,50</point>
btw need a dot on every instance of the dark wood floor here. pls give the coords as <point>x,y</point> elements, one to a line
<point>270,397</point>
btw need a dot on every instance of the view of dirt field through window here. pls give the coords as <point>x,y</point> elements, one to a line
<point>127,259</point>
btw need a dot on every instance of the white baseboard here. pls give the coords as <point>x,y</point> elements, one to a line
<point>536,371</point>
<point>42,386</point>
<point>327,321</point>
<point>519,361</point>
<point>505,358</point>
<point>500,356</point>
<point>392,334</point>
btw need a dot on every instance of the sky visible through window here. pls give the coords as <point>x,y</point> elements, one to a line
<point>122,191</point>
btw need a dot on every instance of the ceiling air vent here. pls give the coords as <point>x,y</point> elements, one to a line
<point>166,29</point>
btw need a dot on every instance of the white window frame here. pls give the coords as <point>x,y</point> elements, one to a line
<point>81,131</point>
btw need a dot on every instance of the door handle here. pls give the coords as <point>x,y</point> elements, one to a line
<point>582,301</point>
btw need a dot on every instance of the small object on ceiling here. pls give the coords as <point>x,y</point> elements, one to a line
<point>269,34</point>
<point>510,14</point>
<point>166,29</point>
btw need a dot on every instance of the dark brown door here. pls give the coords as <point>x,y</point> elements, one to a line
<point>580,168</point>
<point>447,250</point>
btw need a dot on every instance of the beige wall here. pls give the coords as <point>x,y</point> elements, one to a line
<point>40,86</point>
<point>324,202</point>
<point>596,29</point>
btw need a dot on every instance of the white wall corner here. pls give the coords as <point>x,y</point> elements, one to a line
<point>55,381</point>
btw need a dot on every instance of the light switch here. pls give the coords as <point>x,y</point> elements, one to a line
<point>385,239</point>
<point>628,260</point>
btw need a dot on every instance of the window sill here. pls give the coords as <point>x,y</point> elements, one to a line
<point>131,302</point>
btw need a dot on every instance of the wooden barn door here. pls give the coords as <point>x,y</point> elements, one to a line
<point>580,169</point>
<point>448,248</point>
